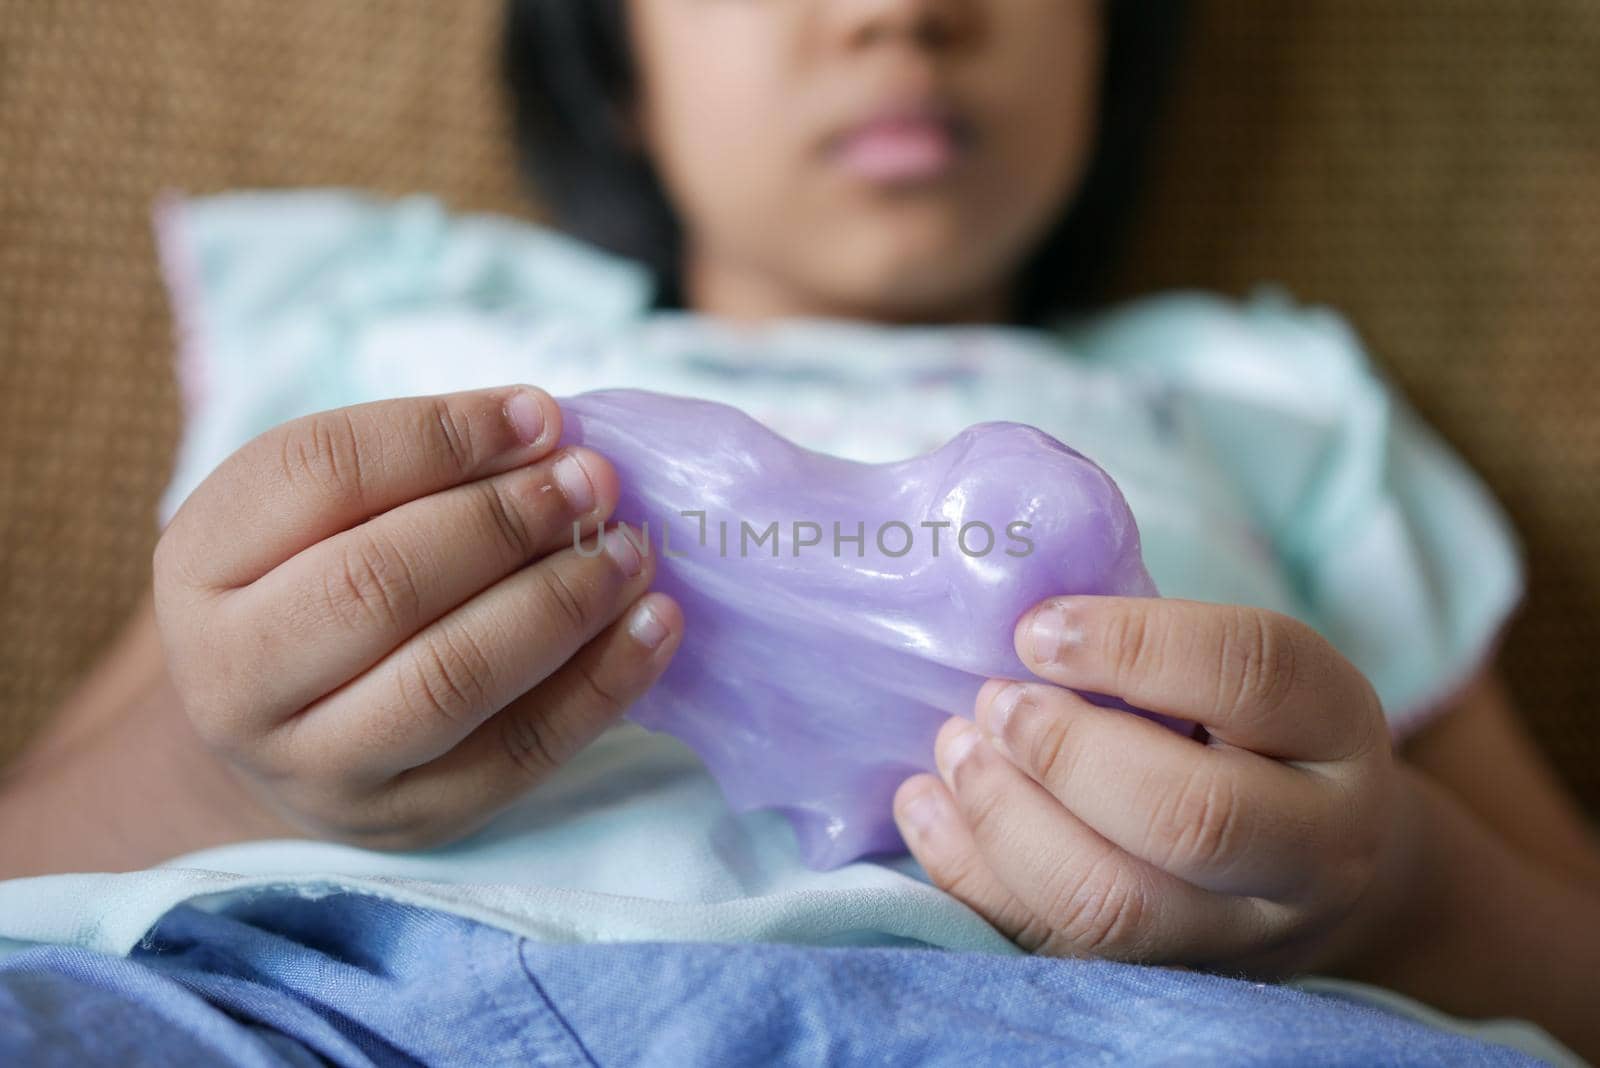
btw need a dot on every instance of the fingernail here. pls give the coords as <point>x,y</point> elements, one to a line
<point>1000,713</point>
<point>646,627</point>
<point>924,813</point>
<point>574,482</point>
<point>1051,635</point>
<point>623,551</point>
<point>526,415</point>
<point>963,739</point>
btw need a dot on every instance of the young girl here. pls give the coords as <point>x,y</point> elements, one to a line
<point>869,223</point>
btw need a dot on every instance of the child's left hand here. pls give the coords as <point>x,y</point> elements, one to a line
<point>1084,831</point>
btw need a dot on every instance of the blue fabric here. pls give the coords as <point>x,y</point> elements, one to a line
<point>348,979</point>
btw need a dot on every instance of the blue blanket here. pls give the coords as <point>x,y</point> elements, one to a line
<point>348,979</point>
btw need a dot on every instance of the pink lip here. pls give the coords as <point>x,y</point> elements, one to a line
<point>900,148</point>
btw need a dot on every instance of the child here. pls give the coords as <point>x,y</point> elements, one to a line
<point>372,628</point>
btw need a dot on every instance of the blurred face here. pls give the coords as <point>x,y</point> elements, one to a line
<point>880,159</point>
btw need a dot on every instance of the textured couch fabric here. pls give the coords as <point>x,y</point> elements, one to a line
<point>1431,169</point>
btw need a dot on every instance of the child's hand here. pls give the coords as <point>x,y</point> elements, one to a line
<point>379,616</point>
<point>1080,830</point>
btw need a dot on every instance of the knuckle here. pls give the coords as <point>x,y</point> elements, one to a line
<point>567,600</point>
<point>1260,650</point>
<point>1098,913</point>
<point>455,434</point>
<point>600,692</point>
<point>324,453</point>
<point>1198,826</point>
<point>506,517</point>
<point>1053,753</point>
<point>964,877</point>
<point>1130,642</point>
<point>527,741</point>
<point>373,583</point>
<point>984,810</point>
<point>449,675</point>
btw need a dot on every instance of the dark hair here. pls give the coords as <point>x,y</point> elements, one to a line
<point>571,77</point>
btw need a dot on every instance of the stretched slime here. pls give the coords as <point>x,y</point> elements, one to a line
<point>836,613</point>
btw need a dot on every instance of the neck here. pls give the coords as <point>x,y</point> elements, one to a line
<point>746,295</point>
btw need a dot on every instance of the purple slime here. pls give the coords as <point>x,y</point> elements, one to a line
<point>815,670</point>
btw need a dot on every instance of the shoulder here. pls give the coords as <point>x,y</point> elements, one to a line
<point>1397,550</point>
<point>260,253</point>
<point>293,301</point>
<point>1264,344</point>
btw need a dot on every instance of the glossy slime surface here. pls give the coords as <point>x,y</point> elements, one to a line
<point>813,677</point>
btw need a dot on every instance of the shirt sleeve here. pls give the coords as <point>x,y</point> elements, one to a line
<point>274,291</point>
<point>1417,568</point>
<point>1397,552</point>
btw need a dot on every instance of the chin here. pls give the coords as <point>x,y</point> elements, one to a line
<point>924,266</point>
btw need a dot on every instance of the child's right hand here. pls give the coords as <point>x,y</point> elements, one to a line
<point>378,615</point>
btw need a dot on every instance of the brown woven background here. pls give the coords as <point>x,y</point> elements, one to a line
<point>1430,168</point>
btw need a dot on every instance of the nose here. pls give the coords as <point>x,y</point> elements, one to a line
<point>927,24</point>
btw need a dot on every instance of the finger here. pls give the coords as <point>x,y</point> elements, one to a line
<point>938,838</point>
<point>326,615</point>
<point>1094,898</point>
<point>310,478</point>
<point>524,743</point>
<point>425,697</point>
<point>1220,817</point>
<point>1256,679</point>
